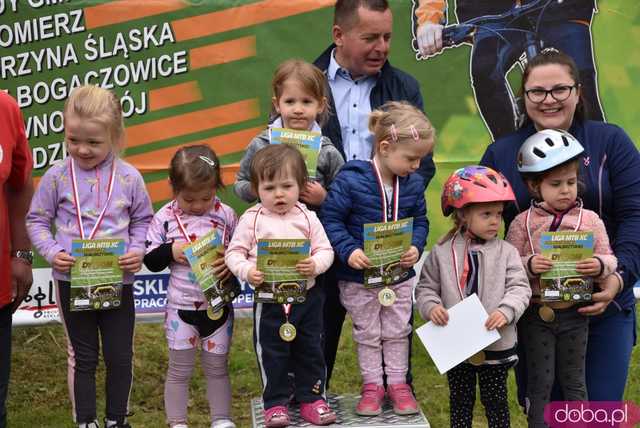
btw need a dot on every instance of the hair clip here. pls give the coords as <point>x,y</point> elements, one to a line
<point>394,133</point>
<point>414,133</point>
<point>208,161</point>
<point>549,50</point>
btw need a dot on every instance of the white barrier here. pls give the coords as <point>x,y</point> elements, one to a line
<point>149,294</point>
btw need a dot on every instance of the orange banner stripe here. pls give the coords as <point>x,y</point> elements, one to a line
<point>220,53</point>
<point>161,190</point>
<point>189,123</point>
<point>120,11</point>
<point>158,160</point>
<point>171,96</point>
<point>242,16</point>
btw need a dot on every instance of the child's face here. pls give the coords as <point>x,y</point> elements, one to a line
<point>280,194</point>
<point>403,158</point>
<point>297,107</point>
<point>483,219</point>
<point>88,141</point>
<point>559,188</point>
<point>196,201</point>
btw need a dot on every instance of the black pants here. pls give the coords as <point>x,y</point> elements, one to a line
<point>5,360</point>
<point>334,314</point>
<point>302,356</point>
<point>493,394</point>
<point>85,330</point>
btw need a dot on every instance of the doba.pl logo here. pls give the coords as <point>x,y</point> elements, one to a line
<point>591,414</point>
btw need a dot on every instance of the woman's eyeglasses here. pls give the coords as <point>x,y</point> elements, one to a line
<point>558,93</point>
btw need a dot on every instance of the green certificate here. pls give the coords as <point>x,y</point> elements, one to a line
<point>96,277</point>
<point>277,259</point>
<point>562,282</point>
<point>201,254</point>
<point>384,244</point>
<point>308,142</point>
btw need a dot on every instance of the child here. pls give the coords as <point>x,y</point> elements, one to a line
<point>194,175</point>
<point>555,334</point>
<point>470,259</point>
<point>299,102</point>
<point>385,188</point>
<point>93,194</point>
<point>278,173</point>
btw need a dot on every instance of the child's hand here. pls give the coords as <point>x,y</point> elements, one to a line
<point>176,251</point>
<point>439,315</point>
<point>313,193</point>
<point>495,320</point>
<point>131,261</point>
<point>540,264</point>
<point>588,267</point>
<point>62,262</point>
<point>357,260</point>
<point>409,258</point>
<point>255,277</point>
<point>220,269</point>
<point>306,267</point>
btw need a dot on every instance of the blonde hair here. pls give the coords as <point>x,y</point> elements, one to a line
<point>400,122</point>
<point>458,223</point>
<point>311,79</point>
<point>101,105</point>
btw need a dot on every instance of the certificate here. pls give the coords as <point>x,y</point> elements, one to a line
<point>277,259</point>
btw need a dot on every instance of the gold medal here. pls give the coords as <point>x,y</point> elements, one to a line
<point>287,332</point>
<point>214,315</point>
<point>546,313</point>
<point>477,359</point>
<point>386,296</point>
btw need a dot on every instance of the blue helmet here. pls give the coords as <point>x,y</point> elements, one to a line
<point>547,149</point>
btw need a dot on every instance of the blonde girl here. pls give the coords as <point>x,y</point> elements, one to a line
<point>93,194</point>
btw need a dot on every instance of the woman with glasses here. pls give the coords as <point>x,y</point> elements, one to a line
<point>610,174</point>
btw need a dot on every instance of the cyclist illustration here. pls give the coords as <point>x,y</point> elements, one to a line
<point>504,33</point>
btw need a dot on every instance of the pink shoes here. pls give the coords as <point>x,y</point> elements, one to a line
<point>370,403</point>
<point>276,417</point>
<point>402,399</point>
<point>317,413</point>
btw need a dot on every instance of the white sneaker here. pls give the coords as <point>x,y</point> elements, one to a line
<point>180,426</point>
<point>223,423</point>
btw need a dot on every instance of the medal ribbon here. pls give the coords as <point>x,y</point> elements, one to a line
<point>462,279</point>
<point>286,308</point>
<point>76,199</point>
<point>184,230</point>
<point>383,194</point>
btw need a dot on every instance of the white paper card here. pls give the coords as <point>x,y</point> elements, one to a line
<point>463,336</point>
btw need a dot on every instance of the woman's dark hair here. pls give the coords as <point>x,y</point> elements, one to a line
<point>554,56</point>
<point>194,166</point>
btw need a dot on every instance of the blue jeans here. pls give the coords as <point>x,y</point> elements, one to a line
<point>5,360</point>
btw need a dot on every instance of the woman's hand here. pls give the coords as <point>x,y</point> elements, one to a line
<point>609,289</point>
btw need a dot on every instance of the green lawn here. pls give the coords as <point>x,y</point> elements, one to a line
<point>38,391</point>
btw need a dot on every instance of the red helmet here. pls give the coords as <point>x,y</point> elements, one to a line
<point>473,184</point>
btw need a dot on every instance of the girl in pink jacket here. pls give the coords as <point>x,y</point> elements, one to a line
<point>554,334</point>
<point>287,338</point>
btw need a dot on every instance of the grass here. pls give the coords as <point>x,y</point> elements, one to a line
<point>38,395</point>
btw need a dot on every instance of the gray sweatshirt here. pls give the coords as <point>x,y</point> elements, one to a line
<point>329,163</point>
<point>502,283</point>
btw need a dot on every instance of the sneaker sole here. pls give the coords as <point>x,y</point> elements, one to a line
<point>368,412</point>
<point>405,412</point>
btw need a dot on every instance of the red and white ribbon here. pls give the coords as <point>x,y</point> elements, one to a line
<point>76,199</point>
<point>383,194</point>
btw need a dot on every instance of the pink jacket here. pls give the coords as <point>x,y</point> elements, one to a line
<point>259,223</point>
<point>540,221</point>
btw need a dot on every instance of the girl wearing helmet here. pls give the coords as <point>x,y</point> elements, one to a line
<point>471,259</point>
<point>555,333</point>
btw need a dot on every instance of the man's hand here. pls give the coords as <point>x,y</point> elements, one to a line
<point>21,280</point>
<point>430,39</point>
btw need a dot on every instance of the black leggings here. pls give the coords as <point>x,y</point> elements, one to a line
<point>493,394</point>
<point>115,328</point>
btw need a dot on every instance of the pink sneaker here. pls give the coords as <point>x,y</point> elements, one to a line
<point>276,417</point>
<point>404,403</point>
<point>317,413</point>
<point>370,403</point>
